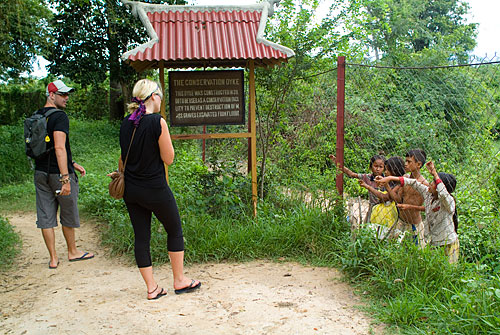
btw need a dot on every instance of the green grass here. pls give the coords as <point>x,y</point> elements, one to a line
<point>412,291</point>
<point>19,197</point>
<point>418,292</point>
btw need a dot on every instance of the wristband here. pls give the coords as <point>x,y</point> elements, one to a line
<point>64,181</point>
<point>402,181</point>
<point>64,175</point>
<point>438,181</point>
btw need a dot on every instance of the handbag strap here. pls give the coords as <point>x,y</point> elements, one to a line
<point>128,151</point>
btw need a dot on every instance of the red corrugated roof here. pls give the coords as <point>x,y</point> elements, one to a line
<point>205,38</point>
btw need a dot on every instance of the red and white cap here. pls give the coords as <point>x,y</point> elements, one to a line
<point>58,86</point>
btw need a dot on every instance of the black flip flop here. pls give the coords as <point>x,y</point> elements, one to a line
<point>159,295</point>
<point>189,288</point>
<point>53,267</point>
<point>82,258</point>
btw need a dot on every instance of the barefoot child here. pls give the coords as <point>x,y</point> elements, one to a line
<point>368,181</point>
<point>440,208</point>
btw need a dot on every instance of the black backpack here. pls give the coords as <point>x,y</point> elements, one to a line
<point>36,138</point>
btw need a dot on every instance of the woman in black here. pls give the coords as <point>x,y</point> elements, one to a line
<point>146,188</point>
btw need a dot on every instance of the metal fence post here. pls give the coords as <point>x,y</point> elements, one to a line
<point>339,182</point>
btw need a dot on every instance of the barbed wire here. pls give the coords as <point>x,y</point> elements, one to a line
<point>403,67</point>
<point>421,67</point>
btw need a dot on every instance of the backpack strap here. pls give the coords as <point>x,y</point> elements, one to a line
<point>51,111</point>
<point>46,115</point>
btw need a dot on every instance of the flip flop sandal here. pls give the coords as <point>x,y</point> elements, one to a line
<point>159,295</point>
<point>53,267</point>
<point>82,258</point>
<point>189,288</point>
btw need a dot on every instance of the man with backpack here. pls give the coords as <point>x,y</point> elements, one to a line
<point>56,182</point>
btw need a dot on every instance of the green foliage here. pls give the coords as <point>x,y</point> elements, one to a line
<point>418,291</point>
<point>19,196</point>
<point>23,36</point>
<point>479,228</point>
<point>391,267</point>
<point>14,162</point>
<point>20,100</point>
<point>90,37</point>
<point>451,113</point>
<point>96,28</point>
<point>474,306</point>
<point>10,244</point>
<point>397,28</point>
<point>290,95</point>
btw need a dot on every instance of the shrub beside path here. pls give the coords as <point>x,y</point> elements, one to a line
<point>106,295</point>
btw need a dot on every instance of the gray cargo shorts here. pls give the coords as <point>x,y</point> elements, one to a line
<point>47,202</point>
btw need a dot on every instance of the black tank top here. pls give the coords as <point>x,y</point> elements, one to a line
<point>144,165</point>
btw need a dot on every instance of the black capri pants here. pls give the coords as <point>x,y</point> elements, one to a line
<point>141,203</point>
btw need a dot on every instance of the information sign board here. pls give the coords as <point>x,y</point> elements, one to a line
<point>206,97</point>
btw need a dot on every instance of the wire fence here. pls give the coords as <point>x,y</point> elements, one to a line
<point>450,112</point>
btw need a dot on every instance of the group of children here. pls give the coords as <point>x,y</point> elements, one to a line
<point>411,193</point>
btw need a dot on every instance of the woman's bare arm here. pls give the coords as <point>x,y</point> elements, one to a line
<point>165,142</point>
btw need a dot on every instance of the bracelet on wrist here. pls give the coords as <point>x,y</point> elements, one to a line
<point>63,175</point>
<point>64,180</point>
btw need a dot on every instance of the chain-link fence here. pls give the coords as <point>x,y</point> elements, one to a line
<point>450,112</point>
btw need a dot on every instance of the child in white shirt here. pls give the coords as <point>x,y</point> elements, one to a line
<point>440,208</point>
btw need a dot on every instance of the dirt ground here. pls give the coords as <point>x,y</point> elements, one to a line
<point>107,295</point>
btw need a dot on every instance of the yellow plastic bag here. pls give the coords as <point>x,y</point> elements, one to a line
<point>385,214</point>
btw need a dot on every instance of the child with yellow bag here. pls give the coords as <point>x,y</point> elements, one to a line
<point>384,216</point>
<point>382,212</point>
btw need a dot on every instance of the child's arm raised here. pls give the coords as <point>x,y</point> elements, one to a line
<point>419,187</point>
<point>345,169</point>
<point>383,196</point>
<point>432,169</point>
<point>447,201</point>
<point>385,180</point>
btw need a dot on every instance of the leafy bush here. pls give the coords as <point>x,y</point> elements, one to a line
<point>18,101</point>
<point>479,227</point>
<point>14,163</point>
<point>10,244</point>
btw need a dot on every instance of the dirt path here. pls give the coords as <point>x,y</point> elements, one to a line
<point>107,296</point>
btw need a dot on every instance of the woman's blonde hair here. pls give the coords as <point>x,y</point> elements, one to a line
<point>143,89</point>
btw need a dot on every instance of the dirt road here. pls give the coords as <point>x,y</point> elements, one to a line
<point>107,295</point>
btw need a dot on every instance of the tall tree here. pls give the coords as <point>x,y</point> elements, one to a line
<point>23,35</point>
<point>90,37</point>
<point>397,27</point>
<point>281,90</point>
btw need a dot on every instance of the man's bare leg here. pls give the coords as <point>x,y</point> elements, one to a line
<point>73,252</point>
<point>50,241</point>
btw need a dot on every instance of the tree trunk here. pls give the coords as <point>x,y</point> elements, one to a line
<point>116,106</point>
<point>116,110</point>
<point>126,96</point>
